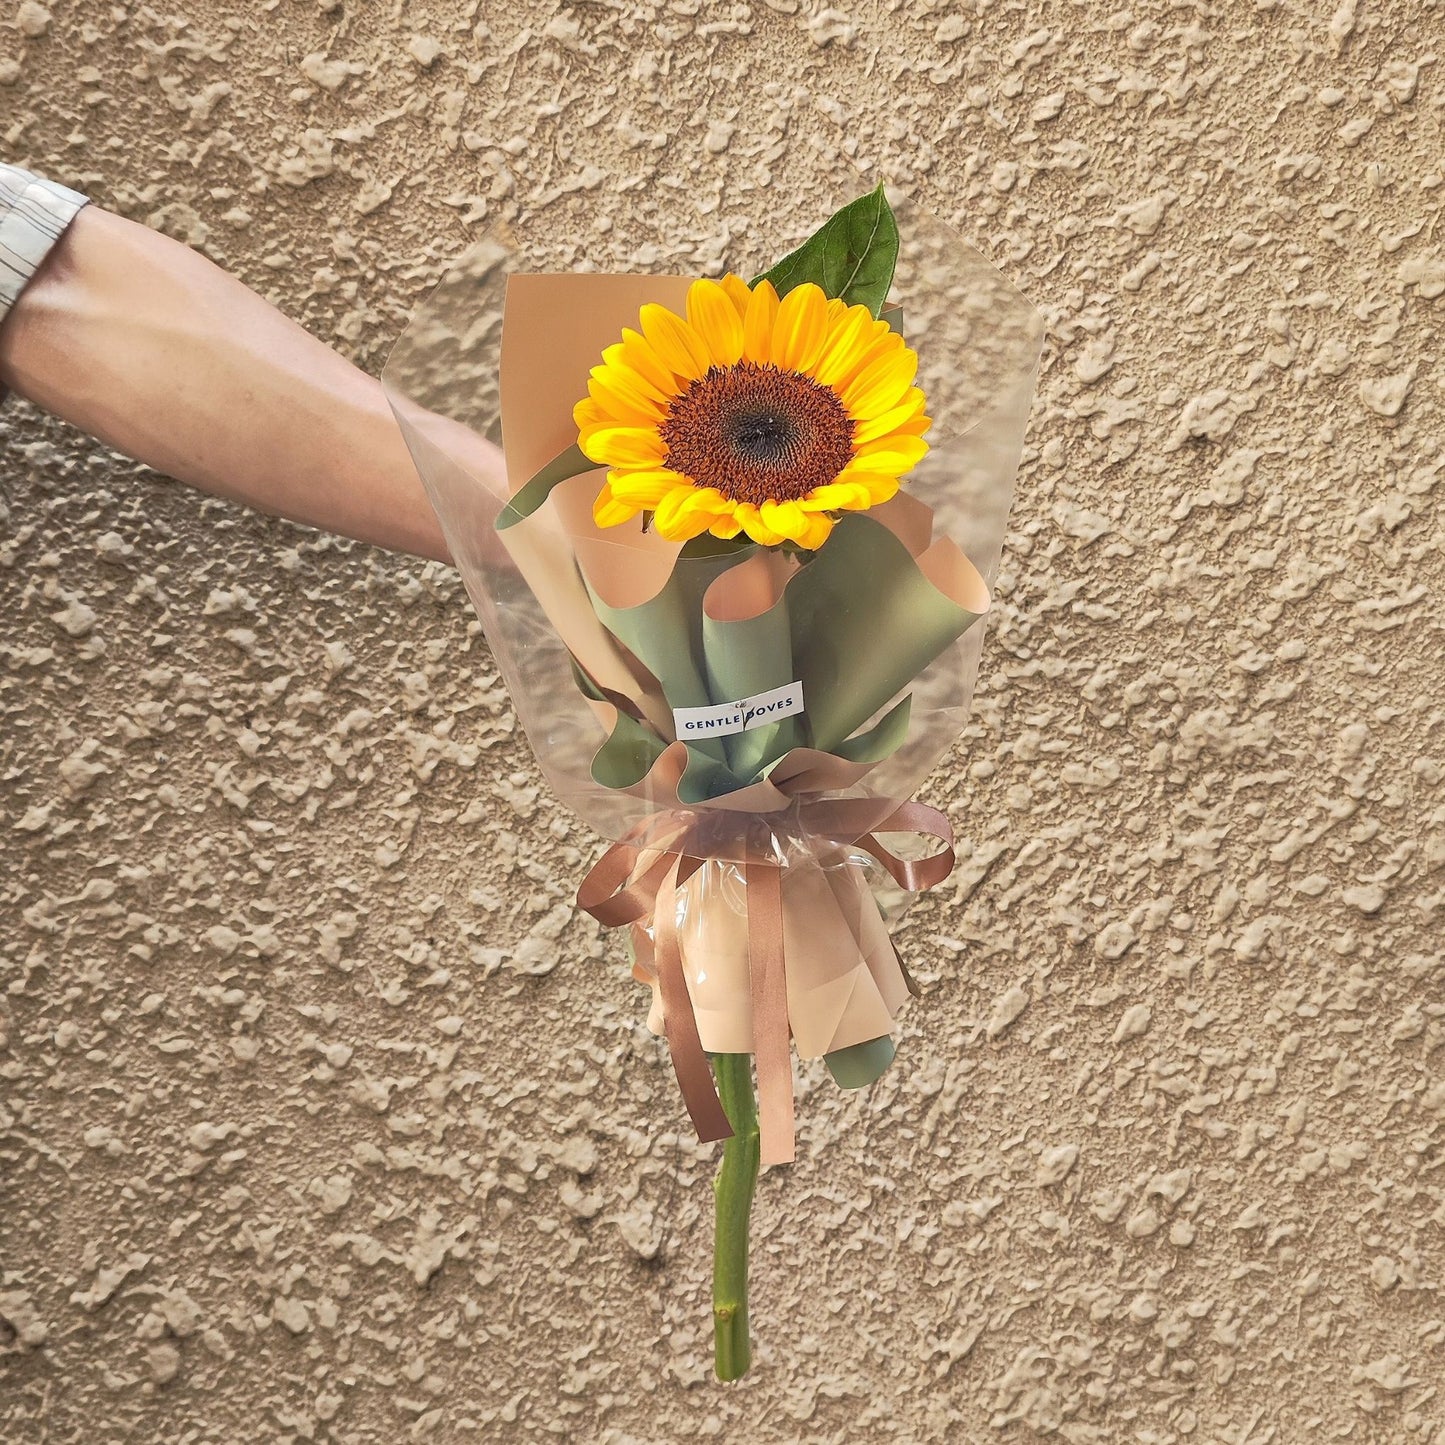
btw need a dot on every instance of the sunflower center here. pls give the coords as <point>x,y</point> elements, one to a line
<point>758,433</point>
<point>765,437</point>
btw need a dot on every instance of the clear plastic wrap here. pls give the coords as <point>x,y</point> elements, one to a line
<point>743,862</point>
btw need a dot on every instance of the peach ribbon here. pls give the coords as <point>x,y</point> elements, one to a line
<point>638,878</point>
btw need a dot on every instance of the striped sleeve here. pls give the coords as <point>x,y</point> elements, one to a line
<point>33,216</point>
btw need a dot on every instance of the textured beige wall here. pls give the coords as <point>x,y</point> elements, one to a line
<point>324,1117</point>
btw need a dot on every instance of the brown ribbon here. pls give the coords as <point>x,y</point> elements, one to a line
<point>638,878</point>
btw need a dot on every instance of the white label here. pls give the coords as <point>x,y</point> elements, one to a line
<point>737,717</point>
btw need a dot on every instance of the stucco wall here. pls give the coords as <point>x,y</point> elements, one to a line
<point>323,1115</point>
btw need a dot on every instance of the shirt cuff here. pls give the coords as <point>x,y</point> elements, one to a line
<point>34,214</point>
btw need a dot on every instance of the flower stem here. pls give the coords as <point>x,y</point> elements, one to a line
<point>733,1187</point>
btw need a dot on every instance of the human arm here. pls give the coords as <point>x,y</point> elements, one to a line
<point>148,346</point>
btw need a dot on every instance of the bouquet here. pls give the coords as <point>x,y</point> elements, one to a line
<point>733,583</point>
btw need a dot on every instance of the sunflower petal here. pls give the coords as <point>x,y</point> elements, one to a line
<point>737,292</point>
<point>726,527</point>
<point>705,499</point>
<point>879,486</point>
<point>747,517</point>
<point>844,496</point>
<point>801,327</point>
<point>881,385</point>
<point>714,317</point>
<point>685,529</point>
<point>637,353</point>
<point>687,512</point>
<point>889,421</point>
<point>785,518</point>
<point>587,415</point>
<point>758,325</point>
<point>685,504</point>
<point>645,489</point>
<point>620,393</point>
<point>624,446</point>
<point>871,347</point>
<point>896,454</point>
<point>843,346</point>
<point>815,533</point>
<point>607,511</point>
<point>677,345</point>
<point>655,384</point>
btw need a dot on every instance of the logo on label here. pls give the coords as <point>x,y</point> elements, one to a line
<point>737,717</point>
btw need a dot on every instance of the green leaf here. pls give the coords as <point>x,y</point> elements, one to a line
<point>571,463</point>
<point>852,257</point>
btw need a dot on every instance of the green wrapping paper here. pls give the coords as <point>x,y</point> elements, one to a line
<point>862,617</point>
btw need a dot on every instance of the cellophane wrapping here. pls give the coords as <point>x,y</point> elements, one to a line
<point>601,634</point>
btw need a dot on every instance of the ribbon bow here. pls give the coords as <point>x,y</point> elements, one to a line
<point>638,878</point>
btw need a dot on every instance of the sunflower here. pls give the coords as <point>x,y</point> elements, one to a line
<point>752,415</point>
